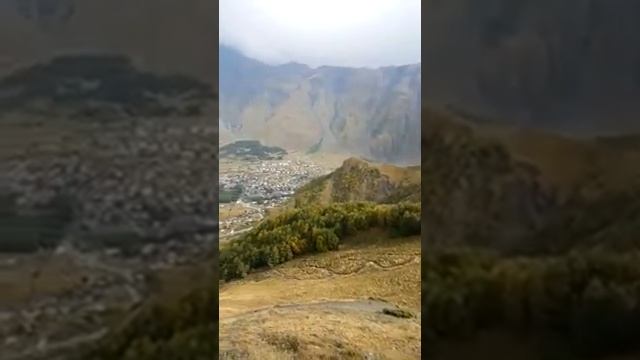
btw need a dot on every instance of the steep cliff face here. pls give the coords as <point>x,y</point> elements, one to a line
<point>367,112</point>
<point>360,180</point>
<point>569,66</point>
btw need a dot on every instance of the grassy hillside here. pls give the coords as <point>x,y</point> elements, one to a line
<point>186,327</point>
<point>179,322</point>
<point>369,112</point>
<point>90,85</point>
<point>532,243</point>
<point>576,306</point>
<point>311,230</point>
<point>525,191</point>
<point>334,305</point>
<point>360,180</point>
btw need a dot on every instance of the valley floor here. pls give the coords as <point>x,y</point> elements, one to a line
<point>328,305</point>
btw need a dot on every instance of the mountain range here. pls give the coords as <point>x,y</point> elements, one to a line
<point>567,66</point>
<point>361,111</point>
<point>160,36</point>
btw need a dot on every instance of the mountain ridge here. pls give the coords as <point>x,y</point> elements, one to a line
<point>359,111</point>
<point>361,180</point>
<point>506,190</point>
<point>569,67</point>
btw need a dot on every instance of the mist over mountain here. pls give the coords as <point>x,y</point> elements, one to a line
<point>362,111</point>
<point>569,66</point>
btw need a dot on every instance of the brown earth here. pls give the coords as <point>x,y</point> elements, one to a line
<point>328,305</point>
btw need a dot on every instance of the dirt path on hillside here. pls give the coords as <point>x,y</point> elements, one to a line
<point>328,305</point>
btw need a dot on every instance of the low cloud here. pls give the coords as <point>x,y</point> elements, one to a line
<point>355,33</point>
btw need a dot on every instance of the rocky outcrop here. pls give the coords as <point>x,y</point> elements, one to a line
<point>361,180</point>
<point>479,190</point>
<point>474,192</point>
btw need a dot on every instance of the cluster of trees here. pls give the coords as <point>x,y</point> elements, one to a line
<point>184,331</point>
<point>312,229</point>
<point>310,192</point>
<point>229,194</point>
<point>29,232</point>
<point>589,302</point>
<point>611,221</point>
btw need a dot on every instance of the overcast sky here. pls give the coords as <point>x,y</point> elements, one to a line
<point>355,33</point>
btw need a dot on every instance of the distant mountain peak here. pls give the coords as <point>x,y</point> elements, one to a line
<point>361,180</point>
<point>373,113</point>
<point>354,161</point>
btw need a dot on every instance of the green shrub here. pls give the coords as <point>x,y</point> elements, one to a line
<point>312,229</point>
<point>590,300</point>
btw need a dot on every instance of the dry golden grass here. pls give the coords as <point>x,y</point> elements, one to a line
<point>275,211</point>
<point>55,275</point>
<point>315,332</point>
<point>567,162</point>
<point>228,211</point>
<point>349,185</point>
<point>401,174</point>
<point>172,284</point>
<point>288,303</point>
<point>327,160</point>
<point>386,271</point>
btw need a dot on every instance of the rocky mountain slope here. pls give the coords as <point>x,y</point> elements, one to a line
<point>569,66</point>
<point>368,112</point>
<point>526,190</point>
<point>360,180</point>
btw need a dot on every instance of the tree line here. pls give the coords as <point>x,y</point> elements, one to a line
<point>186,329</point>
<point>312,229</point>
<point>588,301</point>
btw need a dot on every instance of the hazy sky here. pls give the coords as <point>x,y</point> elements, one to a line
<point>355,33</point>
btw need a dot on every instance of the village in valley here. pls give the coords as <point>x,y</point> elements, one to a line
<point>250,188</point>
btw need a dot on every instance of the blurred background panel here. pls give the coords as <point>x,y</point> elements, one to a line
<point>108,178</point>
<point>569,66</point>
<point>164,36</point>
<point>530,140</point>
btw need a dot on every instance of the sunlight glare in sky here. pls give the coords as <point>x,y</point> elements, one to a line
<point>325,15</point>
<point>324,32</point>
